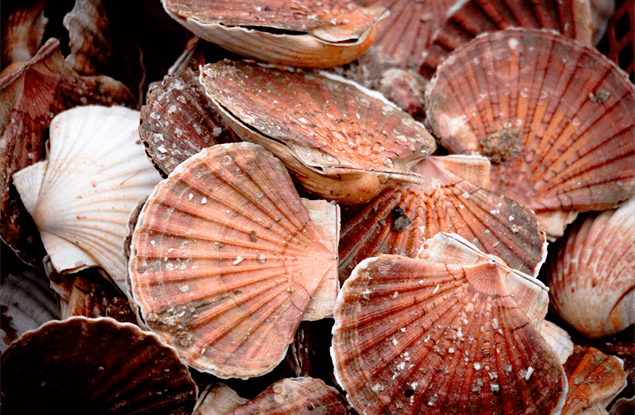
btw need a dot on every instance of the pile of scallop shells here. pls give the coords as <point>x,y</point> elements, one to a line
<point>216,207</point>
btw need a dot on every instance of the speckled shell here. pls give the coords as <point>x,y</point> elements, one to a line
<point>594,380</point>
<point>432,336</point>
<point>81,196</point>
<point>591,272</point>
<point>299,396</point>
<point>97,366</point>
<point>301,33</point>
<point>179,121</point>
<point>30,97</point>
<point>22,32</point>
<point>400,219</point>
<point>556,118</point>
<point>89,37</point>
<point>340,142</point>
<point>225,260</point>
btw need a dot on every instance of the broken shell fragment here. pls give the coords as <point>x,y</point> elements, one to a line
<point>445,334</point>
<point>80,197</point>
<point>446,202</point>
<point>301,33</point>
<point>94,366</point>
<point>591,273</point>
<point>595,379</point>
<point>339,141</point>
<point>225,259</point>
<point>556,118</point>
<point>179,121</point>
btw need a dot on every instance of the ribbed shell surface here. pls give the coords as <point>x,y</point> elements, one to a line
<point>225,260</point>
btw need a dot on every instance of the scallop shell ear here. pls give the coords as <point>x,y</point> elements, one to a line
<point>340,142</point>
<point>95,366</point>
<point>439,336</point>
<point>225,260</point>
<point>556,118</point>
<point>81,196</point>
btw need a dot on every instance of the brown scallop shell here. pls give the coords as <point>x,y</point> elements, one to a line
<point>340,142</point>
<point>225,260</point>
<point>591,273</point>
<point>22,32</point>
<point>30,97</point>
<point>300,33</point>
<point>594,380</point>
<point>94,366</point>
<point>89,37</point>
<point>400,219</point>
<point>179,121</point>
<point>556,118</point>
<point>444,335</point>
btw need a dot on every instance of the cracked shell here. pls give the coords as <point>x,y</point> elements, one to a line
<point>301,33</point>
<point>455,332</point>
<point>225,260</point>
<point>339,141</point>
<point>97,366</point>
<point>556,118</point>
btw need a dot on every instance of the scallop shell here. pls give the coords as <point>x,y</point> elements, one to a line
<point>94,366</point>
<point>81,196</point>
<point>301,396</point>
<point>225,260</point>
<point>591,274</point>
<point>301,33</point>
<point>218,399</point>
<point>400,219</point>
<point>444,335</point>
<point>30,97</point>
<point>556,118</point>
<point>340,142</point>
<point>89,37</point>
<point>595,379</point>
<point>179,121</point>
<point>22,32</point>
<point>558,338</point>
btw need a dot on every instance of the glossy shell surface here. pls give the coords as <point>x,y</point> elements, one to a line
<point>556,118</point>
<point>340,142</point>
<point>590,275</point>
<point>444,334</point>
<point>94,366</point>
<point>225,260</point>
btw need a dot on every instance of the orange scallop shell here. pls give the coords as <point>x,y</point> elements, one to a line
<point>556,118</point>
<point>225,259</point>
<point>434,336</point>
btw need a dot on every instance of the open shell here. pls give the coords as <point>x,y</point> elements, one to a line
<point>301,33</point>
<point>339,141</point>
<point>94,366</point>
<point>80,197</point>
<point>401,218</point>
<point>225,260</point>
<point>591,273</point>
<point>556,118</point>
<point>452,333</point>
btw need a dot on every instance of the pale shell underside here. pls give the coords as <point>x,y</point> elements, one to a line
<point>413,336</point>
<point>225,260</point>
<point>94,366</point>
<point>556,118</point>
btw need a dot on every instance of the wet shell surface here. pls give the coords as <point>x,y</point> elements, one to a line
<point>401,218</point>
<point>339,141</point>
<point>595,379</point>
<point>97,366</point>
<point>556,118</point>
<point>301,33</point>
<point>445,334</point>
<point>225,260</point>
<point>591,275</point>
<point>30,97</point>
<point>80,197</point>
<point>179,121</point>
